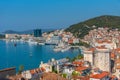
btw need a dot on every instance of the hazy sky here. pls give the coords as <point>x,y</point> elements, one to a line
<point>29,14</point>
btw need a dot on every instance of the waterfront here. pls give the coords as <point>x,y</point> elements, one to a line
<point>29,55</point>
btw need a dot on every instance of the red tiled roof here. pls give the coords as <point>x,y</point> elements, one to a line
<point>118,67</point>
<point>91,49</point>
<point>112,55</point>
<point>103,41</point>
<point>43,69</point>
<point>80,63</point>
<point>70,41</point>
<point>118,49</point>
<point>99,76</point>
<point>81,77</point>
<point>101,47</point>
<point>51,76</point>
<point>81,68</point>
<point>117,61</point>
<point>32,71</point>
<point>113,77</point>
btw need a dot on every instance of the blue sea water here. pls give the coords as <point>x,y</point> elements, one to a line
<point>29,55</point>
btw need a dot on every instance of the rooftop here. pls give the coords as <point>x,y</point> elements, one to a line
<point>81,68</point>
<point>52,76</point>
<point>99,76</point>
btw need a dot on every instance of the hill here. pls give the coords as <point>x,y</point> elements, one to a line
<point>83,28</point>
<point>24,32</point>
<point>17,32</point>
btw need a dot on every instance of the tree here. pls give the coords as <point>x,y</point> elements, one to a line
<point>64,75</point>
<point>21,68</point>
<point>80,56</point>
<point>68,58</point>
<point>75,73</point>
<point>54,70</point>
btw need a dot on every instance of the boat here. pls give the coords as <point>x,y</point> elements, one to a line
<point>50,42</point>
<point>31,41</point>
<point>41,43</point>
<point>15,44</point>
<point>65,49</point>
<point>57,48</point>
<point>61,47</point>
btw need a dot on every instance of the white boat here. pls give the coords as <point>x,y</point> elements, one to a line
<point>61,47</point>
<point>65,49</point>
<point>41,43</point>
<point>57,49</point>
<point>50,42</point>
<point>31,41</point>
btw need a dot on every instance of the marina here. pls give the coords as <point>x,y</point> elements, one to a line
<point>29,55</point>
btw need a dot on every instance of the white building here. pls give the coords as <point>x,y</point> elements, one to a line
<point>102,59</point>
<point>99,57</point>
<point>46,66</point>
<point>11,36</point>
<point>88,55</point>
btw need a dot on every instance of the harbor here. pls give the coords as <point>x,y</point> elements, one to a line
<point>29,55</point>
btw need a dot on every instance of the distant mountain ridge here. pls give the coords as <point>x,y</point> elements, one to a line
<point>24,32</point>
<point>17,32</point>
<point>81,29</point>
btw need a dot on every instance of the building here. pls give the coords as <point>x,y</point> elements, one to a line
<point>37,33</point>
<point>51,76</point>
<point>89,55</point>
<point>107,43</point>
<point>117,63</point>
<point>99,57</point>
<point>100,76</point>
<point>83,71</point>
<point>48,67</point>
<point>102,59</point>
<point>11,36</point>
<point>33,74</point>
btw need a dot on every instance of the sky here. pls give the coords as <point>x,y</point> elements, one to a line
<point>46,14</point>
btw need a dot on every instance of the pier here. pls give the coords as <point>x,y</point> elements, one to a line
<point>80,47</point>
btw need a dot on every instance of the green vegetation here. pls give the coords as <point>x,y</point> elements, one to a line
<point>2,36</point>
<point>64,75</point>
<point>81,44</point>
<point>54,70</point>
<point>21,68</point>
<point>68,58</point>
<point>83,28</point>
<point>79,56</point>
<point>75,73</point>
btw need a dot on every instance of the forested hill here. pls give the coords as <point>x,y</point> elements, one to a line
<point>82,28</point>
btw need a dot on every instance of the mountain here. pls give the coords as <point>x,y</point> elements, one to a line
<point>10,32</point>
<point>17,32</point>
<point>83,28</point>
<point>24,32</point>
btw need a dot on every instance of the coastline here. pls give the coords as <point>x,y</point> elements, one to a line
<point>25,50</point>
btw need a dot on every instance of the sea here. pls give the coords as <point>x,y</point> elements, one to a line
<point>30,56</point>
